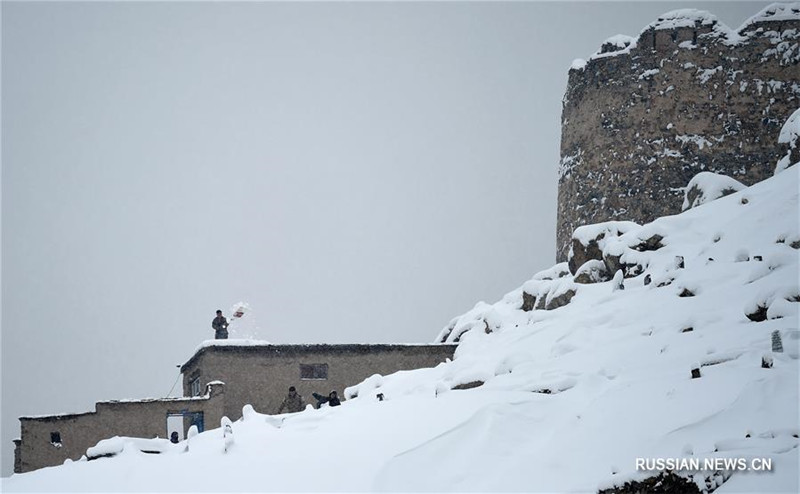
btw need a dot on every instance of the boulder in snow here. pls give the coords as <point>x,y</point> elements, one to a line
<point>528,301</point>
<point>560,295</point>
<point>469,385</point>
<point>588,241</point>
<point>652,242</point>
<point>706,187</point>
<point>592,271</point>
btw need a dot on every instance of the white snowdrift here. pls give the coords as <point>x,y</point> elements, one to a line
<point>566,399</point>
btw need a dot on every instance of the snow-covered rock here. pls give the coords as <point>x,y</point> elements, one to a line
<point>592,271</point>
<point>589,241</point>
<point>790,136</point>
<point>707,186</point>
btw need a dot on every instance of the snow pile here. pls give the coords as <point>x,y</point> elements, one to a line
<point>682,18</point>
<point>619,41</point>
<point>229,342</point>
<point>774,12</point>
<point>615,45</point>
<point>790,132</point>
<point>695,359</point>
<point>707,186</point>
<point>578,64</point>
<point>117,445</point>
<point>790,135</point>
<point>606,229</point>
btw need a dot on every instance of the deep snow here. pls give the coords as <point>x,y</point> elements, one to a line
<point>571,396</point>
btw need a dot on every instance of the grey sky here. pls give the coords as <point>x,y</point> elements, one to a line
<point>356,172</point>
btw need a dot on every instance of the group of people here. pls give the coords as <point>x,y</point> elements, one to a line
<point>294,402</point>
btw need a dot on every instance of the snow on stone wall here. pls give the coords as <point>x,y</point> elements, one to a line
<point>642,116</point>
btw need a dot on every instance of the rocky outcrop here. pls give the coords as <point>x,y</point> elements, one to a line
<point>588,241</point>
<point>644,115</point>
<point>663,483</point>
<point>601,250</point>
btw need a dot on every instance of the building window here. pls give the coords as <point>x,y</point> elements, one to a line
<point>314,371</point>
<point>195,387</point>
<point>55,439</point>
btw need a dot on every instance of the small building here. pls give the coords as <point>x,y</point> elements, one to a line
<point>218,380</point>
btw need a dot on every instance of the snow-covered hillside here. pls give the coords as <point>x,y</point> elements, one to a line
<point>564,399</point>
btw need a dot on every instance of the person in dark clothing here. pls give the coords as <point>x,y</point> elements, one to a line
<point>293,402</point>
<point>173,438</point>
<point>220,325</point>
<point>332,399</point>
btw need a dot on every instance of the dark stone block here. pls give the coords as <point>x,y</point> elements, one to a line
<point>759,315</point>
<point>663,483</point>
<point>469,385</point>
<point>528,301</point>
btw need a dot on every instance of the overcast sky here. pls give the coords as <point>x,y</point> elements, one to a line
<point>356,172</point>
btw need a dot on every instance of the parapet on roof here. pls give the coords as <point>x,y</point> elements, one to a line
<point>682,18</point>
<point>250,347</point>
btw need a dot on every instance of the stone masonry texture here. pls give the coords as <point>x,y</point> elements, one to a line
<point>80,431</point>
<point>260,375</point>
<point>231,376</point>
<point>641,117</point>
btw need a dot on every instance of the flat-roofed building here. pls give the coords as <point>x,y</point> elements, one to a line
<point>260,375</point>
<point>218,380</point>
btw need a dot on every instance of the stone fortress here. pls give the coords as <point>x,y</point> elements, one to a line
<point>644,115</point>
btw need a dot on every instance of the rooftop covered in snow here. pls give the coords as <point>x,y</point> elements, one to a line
<point>249,347</point>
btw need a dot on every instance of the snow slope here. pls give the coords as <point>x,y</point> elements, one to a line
<point>570,397</point>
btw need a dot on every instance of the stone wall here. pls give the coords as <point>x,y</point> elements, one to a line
<point>78,432</point>
<point>232,376</point>
<point>644,115</point>
<point>260,375</point>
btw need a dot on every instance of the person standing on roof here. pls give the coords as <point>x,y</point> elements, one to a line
<point>220,325</point>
